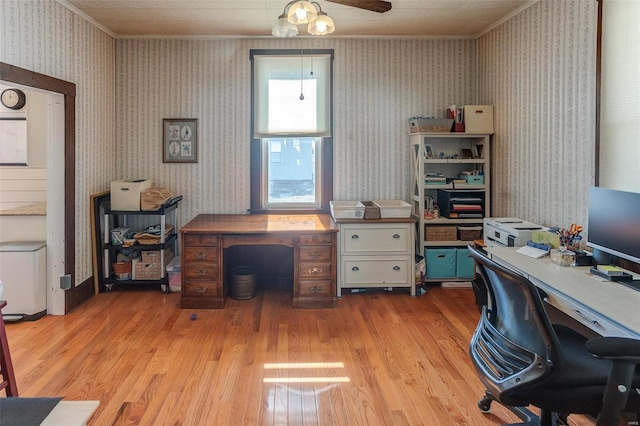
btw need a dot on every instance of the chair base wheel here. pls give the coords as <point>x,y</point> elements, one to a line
<point>485,404</point>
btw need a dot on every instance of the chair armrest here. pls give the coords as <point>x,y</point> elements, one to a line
<point>620,348</point>
<point>624,354</point>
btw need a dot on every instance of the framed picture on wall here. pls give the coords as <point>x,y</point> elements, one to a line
<point>180,140</point>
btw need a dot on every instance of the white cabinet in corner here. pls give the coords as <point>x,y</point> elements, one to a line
<point>376,254</point>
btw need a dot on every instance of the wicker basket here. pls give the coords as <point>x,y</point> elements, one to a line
<point>440,233</point>
<point>153,198</point>
<point>371,211</point>
<point>146,238</point>
<point>469,233</point>
<point>148,271</point>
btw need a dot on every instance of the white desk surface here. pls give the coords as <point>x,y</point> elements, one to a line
<point>611,302</point>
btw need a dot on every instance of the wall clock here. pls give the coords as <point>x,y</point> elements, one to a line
<point>13,98</point>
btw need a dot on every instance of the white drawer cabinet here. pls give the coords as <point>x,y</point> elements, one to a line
<point>376,253</point>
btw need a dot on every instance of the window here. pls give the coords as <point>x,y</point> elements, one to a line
<point>618,153</point>
<point>291,146</point>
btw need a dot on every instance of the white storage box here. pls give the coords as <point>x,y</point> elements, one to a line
<point>347,209</point>
<point>125,194</point>
<point>393,208</point>
<point>175,275</point>
<point>23,272</point>
<point>478,119</point>
<point>118,235</point>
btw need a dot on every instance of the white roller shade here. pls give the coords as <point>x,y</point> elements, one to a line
<point>620,96</point>
<point>279,81</point>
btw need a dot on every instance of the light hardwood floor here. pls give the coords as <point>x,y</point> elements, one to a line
<point>378,359</point>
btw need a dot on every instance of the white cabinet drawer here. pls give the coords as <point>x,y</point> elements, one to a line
<point>360,271</point>
<point>372,239</point>
<point>583,314</point>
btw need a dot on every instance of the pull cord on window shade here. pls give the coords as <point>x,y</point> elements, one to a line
<point>280,81</point>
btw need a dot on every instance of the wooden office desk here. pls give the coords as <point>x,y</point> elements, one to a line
<point>311,237</point>
<point>607,308</point>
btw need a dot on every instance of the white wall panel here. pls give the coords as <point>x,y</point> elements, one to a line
<point>45,37</point>
<point>538,69</point>
<point>378,85</point>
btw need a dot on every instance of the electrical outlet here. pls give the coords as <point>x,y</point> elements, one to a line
<point>65,282</point>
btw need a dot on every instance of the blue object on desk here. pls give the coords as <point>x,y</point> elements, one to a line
<point>541,246</point>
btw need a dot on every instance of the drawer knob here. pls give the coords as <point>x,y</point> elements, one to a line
<point>314,254</point>
<point>200,271</point>
<point>355,237</point>
<point>200,255</point>
<point>396,236</point>
<point>396,268</point>
<point>315,270</point>
<point>199,289</point>
<point>315,289</point>
<point>355,268</point>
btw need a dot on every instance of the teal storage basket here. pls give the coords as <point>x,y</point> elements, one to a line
<point>440,262</point>
<point>465,266</point>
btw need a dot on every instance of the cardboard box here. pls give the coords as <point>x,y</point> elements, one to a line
<point>125,194</point>
<point>478,119</point>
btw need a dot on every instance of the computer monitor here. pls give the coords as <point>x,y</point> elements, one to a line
<point>614,222</point>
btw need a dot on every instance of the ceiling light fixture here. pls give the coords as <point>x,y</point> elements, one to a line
<point>303,12</point>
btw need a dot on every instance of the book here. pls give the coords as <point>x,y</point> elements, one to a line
<point>466,207</point>
<point>611,270</point>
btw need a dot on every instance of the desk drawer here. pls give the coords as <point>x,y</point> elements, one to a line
<point>381,238</point>
<point>252,240</point>
<point>201,288</point>
<point>200,239</point>
<point>314,270</point>
<point>585,316</point>
<point>200,254</point>
<point>315,288</point>
<point>316,239</point>
<point>359,271</point>
<point>315,253</point>
<point>200,271</point>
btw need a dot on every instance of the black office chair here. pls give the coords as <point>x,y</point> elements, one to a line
<point>522,359</point>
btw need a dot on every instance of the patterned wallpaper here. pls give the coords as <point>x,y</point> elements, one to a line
<point>538,69</point>
<point>378,85</point>
<point>43,36</point>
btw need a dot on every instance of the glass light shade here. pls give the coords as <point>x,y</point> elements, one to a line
<point>302,12</point>
<point>322,25</point>
<point>284,28</point>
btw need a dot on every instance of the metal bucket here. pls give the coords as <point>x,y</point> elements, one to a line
<point>243,283</point>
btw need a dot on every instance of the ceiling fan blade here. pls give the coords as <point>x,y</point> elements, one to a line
<point>379,6</point>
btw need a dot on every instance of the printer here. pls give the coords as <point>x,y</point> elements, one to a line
<point>508,231</point>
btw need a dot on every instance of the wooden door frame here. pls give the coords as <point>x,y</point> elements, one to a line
<point>13,74</point>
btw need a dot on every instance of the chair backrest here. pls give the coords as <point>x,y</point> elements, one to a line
<point>514,343</point>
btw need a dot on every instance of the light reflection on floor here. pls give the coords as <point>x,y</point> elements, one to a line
<point>296,397</point>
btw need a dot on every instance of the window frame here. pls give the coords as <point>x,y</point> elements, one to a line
<point>257,151</point>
